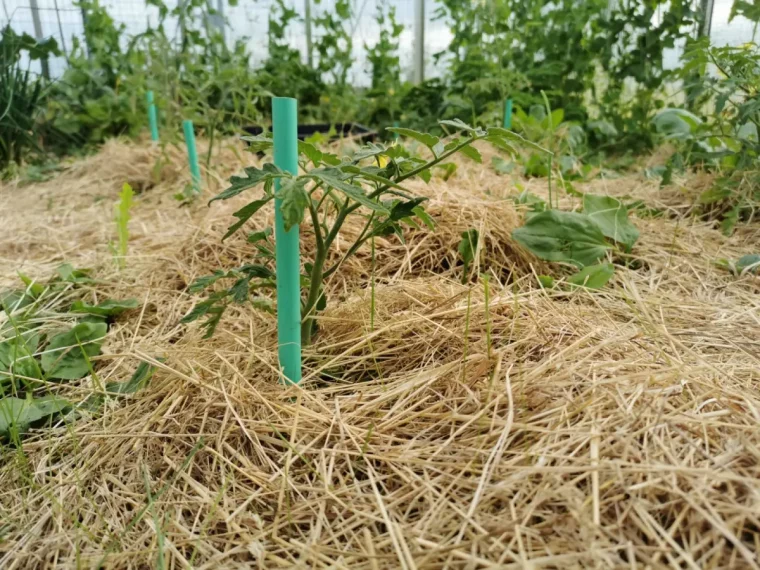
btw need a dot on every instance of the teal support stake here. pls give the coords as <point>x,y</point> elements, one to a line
<point>508,114</point>
<point>285,131</point>
<point>152,117</point>
<point>395,126</point>
<point>192,154</point>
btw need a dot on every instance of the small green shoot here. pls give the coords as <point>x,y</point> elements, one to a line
<point>122,215</point>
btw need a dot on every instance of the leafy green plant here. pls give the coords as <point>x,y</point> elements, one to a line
<point>726,140</point>
<point>22,95</point>
<point>582,238</point>
<point>367,185</point>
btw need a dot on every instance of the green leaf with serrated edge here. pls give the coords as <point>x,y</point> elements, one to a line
<point>311,152</point>
<point>458,125</point>
<point>611,216</point>
<point>420,212</point>
<point>18,414</point>
<point>259,143</point>
<point>66,356</point>
<point>244,214</point>
<point>593,276</point>
<point>253,177</point>
<point>502,133</point>
<point>401,210</point>
<point>239,290</point>
<point>426,175</point>
<point>259,236</point>
<point>256,271</point>
<point>206,281</point>
<point>369,151</point>
<point>108,308</point>
<point>428,140</point>
<point>472,152</point>
<point>354,192</point>
<point>563,236</point>
<point>295,200</point>
<point>502,144</point>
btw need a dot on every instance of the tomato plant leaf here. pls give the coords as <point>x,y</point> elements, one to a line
<point>244,214</point>
<point>294,201</point>
<point>253,177</point>
<point>428,140</point>
<point>354,192</point>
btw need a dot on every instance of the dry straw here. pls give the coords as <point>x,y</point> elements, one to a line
<point>619,429</point>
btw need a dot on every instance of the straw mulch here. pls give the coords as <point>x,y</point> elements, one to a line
<point>545,429</point>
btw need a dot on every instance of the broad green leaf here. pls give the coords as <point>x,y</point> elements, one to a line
<point>354,192</point>
<point>14,300</point>
<point>748,264</point>
<point>676,123</point>
<point>18,414</point>
<point>428,140</point>
<point>17,356</point>
<point>66,356</point>
<point>611,216</point>
<point>244,214</point>
<point>108,308</point>
<point>294,200</point>
<point>593,276</point>
<point>253,177</point>
<point>563,236</point>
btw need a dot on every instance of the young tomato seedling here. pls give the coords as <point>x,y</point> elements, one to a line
<point>367,184</point>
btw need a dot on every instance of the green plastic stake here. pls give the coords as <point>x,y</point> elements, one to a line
<point>395,126</point>
<point>285,131</point>
<point>508,114</point>
<point>152,117</point>
<point>192,154</point>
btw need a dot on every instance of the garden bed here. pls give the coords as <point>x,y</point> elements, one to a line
<point>550,427</point>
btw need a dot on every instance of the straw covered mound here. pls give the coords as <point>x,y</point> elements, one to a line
<point>619,428</point>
